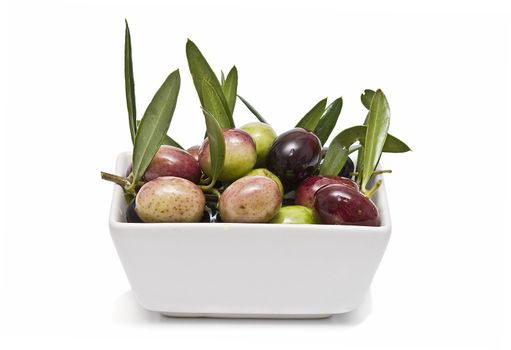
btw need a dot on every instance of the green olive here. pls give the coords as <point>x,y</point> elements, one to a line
<point>294,214</point>
<point>267,173</point>
<point>263,135</point>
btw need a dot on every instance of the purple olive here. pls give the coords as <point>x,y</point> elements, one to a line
<point>194,151</point>
<point>240,155</point>
<point>347,169</point>
<point>338,204</point>
<point>172,161</point>
<point>294,156</point>
<point>170,199</point>
<point>308,188</point>
<point>131,214</point>
<point>250,199</point>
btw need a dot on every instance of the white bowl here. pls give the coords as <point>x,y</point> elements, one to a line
<point>247,270</point>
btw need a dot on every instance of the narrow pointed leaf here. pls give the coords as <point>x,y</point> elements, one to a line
<point>367,97</point>
<point>328,120</point>
<point>129,83</point>
<point>222,78</point>
<point>212,102</point>
<point>230,88</point>
<point>311,119</point>
<point>253,110</point>
<point>377,129</point>
<point>167,140</point>
<point>216,146</point>
<point>201,70</point>
<point>155,124</point>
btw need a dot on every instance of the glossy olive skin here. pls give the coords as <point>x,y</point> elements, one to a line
<point>308,188</point>
<point>250,199</point>
<point>172,161</point>
<point>294,156</point>
<point>338,204</point>
<point>194,151</point>
<point>131,214</point>
<point>347,169</point>
<point>269,174</point>
<point>294,214</point>
<point>263,136</point>
<point>170,199</point>
<point>240,155</point>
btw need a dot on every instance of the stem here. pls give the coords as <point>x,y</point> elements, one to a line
<point>378,172</point>
<point>370,192</point>
<point>120,180</point>
<point>354,148</point>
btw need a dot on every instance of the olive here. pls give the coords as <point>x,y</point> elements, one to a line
<point>294,214</point>
<point>339,204</point>
<point>170,199</point>
<point>250,199</point>
<point>240,155</point>
<point>294,156</point>
<point>347,169</point>
<point>131,214</point>
<point>173,161</point>
<point>263,136</point>
<point>308,188</point>
<point>269,174</point>
<point>194,151</point>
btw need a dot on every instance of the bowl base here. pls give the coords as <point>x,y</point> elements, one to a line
<point>268,316</point>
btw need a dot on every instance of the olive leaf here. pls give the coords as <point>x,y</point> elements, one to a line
<point>154,125</point>
<point>253,110</point>
<point>222,78</point>
<point>327,122</point>
<point>212,102</point>
<point>201,70</point>
<point>377,129</point>
<point>367,97</point>
<point>216,146</point>
<point>340,147</point>
<point>230,87</point>
<point>167,140</point>
<point>130,84</point>
<point>311,119</point>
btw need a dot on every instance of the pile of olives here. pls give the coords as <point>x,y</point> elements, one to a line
<point>250,174</point>
<point>259,170</point>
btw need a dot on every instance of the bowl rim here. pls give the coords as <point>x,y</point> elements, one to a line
<point>118,200</point>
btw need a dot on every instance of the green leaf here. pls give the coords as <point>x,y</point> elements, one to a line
<point>130,84</point>
<point>154,125</point>
<point>253,110</point>
<point>230,88</point>
<point>367,97</point>
<point>167,140</point>
<point>222,78</point>
<point>212,102</point>
<point>216,146</point>
<point>201,70</point>
<point>377,129</point>
<point>327,122</point>
<point>311,119</point>
<point>339,148</point>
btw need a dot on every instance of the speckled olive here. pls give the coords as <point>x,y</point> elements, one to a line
<point>250,199</point>
<point>339,204</point>
<point>294,156</point>
<point>347,169</point>
<point>240,155</point>
<point>269,174</point>
<point>294,214</point>
<point>263,136</point>
<point>170,199</point>
<point>172,161</point>
<point>308,188</point>
<point>194,151</point>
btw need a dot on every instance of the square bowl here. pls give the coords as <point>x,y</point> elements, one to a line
<point>247,270</point>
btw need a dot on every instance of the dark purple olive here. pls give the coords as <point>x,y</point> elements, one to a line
<point>308,188</point>
<point>173,161</point>
<point>338,204</point>
<point>347,169</point>
<point>131,214</point>
<point>294,156</point>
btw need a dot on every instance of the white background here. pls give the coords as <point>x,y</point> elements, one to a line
<point>445,67</point>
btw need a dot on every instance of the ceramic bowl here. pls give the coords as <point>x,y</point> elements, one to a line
<point>247,270</point>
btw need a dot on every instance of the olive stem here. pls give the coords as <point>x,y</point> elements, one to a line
<point>120,180</point>
<point>354,148</point>
<point>378,172</point>
<point>371,192</point>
